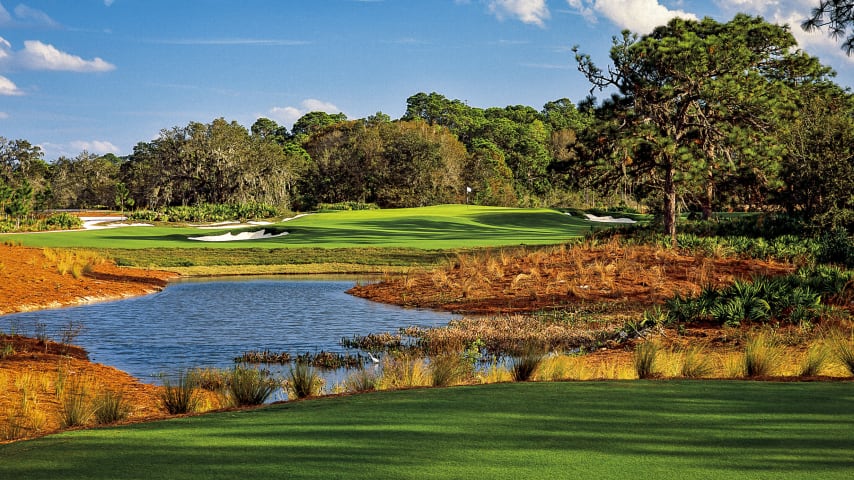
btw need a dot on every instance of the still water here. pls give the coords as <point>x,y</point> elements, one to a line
<point>207,323</point>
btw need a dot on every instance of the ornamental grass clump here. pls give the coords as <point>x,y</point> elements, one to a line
<point>844,353</point>
<point>75,407</point>
<point>362,380</point>
<point>180,396</point>
<point>247,386</point>
<point>303,381</point>
<point>110,407</point>
<point>449,369</point>
<point>762,356</point>
<point>814,361</point>
<point>646,354</point>
<point>525,365</point>
<point>696,363</point>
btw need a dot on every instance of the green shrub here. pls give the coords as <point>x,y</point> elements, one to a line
<point>836,246</point>
<point>248,386</point>
<point>303,381</point>
<point>180,396</point>
<point>110,407</point>
<point>62,221</point>
<point>346,206</point>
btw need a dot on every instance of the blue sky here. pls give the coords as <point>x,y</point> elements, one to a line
<point>102,75</point>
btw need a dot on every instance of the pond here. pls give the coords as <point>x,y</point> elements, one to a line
<point>209,322</point>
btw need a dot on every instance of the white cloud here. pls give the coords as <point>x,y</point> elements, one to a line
<point>108,2</point>
<point>528,11</point>
<point>99,147</point>
<point>583,8</point>
<point>5,49</point>
<point>4,115</point>
<point>8,88</point>
<point>641,16</point>
<point>288,115</point>
<point>41,56</point>
<point>38,17</point>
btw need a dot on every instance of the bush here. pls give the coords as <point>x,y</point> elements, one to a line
<point>248,386</point>
<point>836,246</point>
<point>346,206</point>
<point>62,221</point>
<point>179,397</point>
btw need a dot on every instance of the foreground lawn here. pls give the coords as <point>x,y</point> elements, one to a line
<point>440,227</point>
<point>636,429</point>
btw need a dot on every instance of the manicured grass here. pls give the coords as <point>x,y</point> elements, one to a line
<point>637,429</point>
<point>439,227</point>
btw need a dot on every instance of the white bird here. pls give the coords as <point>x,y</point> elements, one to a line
<point>373,358</point>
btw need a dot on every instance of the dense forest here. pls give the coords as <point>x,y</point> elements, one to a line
<point>697,116</point>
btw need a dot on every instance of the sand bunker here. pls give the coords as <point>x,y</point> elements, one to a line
<point>97,223</point>
<point>232,237</point>
<point>608,219</point>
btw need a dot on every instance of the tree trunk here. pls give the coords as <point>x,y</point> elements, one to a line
<point>670,204</point>
<point>709,197</point>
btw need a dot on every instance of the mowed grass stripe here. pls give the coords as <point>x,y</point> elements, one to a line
<point>440,227</point>
<point>636,429</point>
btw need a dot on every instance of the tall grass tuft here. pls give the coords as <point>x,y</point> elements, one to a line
<point>449,369</point>
<point>303,381</point>
<point>404,371</point>
<point>110,407</point>
<point>762,356</point>
<point>696,363</point>
<point>75,408</point>
<point>844,352</point>
<point>179,397</point>
<point>814,361</point>
<point>248,386</point>
<point>644,359</point>
<point>525,365</point>
<point>362,380</point>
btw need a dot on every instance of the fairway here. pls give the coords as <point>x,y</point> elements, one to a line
<point>439,227</point>
<point>639,429</point>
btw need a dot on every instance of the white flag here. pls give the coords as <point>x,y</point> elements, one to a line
<point>468,189</point>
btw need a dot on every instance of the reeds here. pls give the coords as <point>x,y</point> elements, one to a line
<point>362,380</point>
<point>404,371</point>
<point>449,369</point>
<point>75,405</point>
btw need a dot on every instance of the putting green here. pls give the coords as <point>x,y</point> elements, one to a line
<point>439,227</point>
<point>636,429</point>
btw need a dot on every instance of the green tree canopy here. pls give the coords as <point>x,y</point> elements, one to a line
<point>696,99</point>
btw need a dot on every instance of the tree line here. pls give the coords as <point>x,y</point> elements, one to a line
<point>701,116</point>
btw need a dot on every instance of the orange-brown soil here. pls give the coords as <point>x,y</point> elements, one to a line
<point>521,281</point>
<point>32,279</point>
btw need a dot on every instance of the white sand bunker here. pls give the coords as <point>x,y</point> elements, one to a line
<point>608,219</point>
<point>232,237</point>
<point>97,223</point>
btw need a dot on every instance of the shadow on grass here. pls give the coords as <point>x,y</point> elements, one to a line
<point>532,430</point>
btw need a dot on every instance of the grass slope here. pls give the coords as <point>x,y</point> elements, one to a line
<point>439,227</point>
<point>637,429</point>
